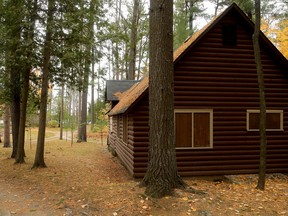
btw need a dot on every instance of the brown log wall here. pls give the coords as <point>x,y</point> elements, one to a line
<point>124,150</point>
<point>135,151</point>
<point>224,79</point>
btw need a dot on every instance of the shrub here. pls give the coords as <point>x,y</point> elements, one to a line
<point>53,124</point>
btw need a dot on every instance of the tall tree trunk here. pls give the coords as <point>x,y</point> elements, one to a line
<point>7,143</point>
<point>92,91</point>
<point>117,64</point>
<point>116,48</point>
<point>262,123</point>
<point>79,112</point>
<point>14,70</point>
<point>133,41</point>
<point>190,5</point>
<point>50,105</point>
<point>15,119</point>
<point>24,98</point>
<point>98,84</point>
<point>162,175</point>
<point>62,110</point>
<point>216,8</point>
<point>92,49</point>
<point>83,131</point>
<point>39,156</point>
<point>29,36</point>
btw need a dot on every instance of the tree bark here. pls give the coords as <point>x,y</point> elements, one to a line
<point>14,70</point>
<point>133,41</point>
<point>262,123</point>
<point>92,59</point>
<point>62,110</point>
<point>92,90</point>
<point>29,36</point>
<point>15,119</point>
<point>39,156</point>
<point>79,112</point>
<point>83,131</point>
<point>7,143</point>
<point>24,98</point>
<point>162,175</point>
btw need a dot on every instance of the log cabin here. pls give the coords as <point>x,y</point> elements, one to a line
<point>116,87</point>
<point>216,104</point>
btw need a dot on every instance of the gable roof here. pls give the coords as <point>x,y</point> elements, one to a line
<point>130,97</point>
<point>233,8</point>
<point>133,94</point>
<point>116,86</point>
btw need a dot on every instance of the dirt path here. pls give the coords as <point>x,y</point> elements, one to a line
<point>14,201</point>
<point>85,180</point>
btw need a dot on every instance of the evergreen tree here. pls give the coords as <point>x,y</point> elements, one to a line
<point>124,37</point>
<point>28,51</point>
<point>184,16</point>
<point>12,21</point>
<point>39,156</point>
<point>133,41</point>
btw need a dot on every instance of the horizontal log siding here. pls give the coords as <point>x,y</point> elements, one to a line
<point>140,136</point>
<point>124,150</point>
<point>224,79</point>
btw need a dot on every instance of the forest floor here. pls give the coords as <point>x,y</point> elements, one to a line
<point>85,179</point>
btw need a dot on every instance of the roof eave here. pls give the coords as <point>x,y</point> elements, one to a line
<point>211,25</point>
<point>128,108</point>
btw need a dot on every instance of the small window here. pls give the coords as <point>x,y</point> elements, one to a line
<point>274,120</point>
<point>229,35</point>
<point>194,128</point>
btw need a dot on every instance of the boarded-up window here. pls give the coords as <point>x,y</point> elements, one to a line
<point>201,130</point>
<point>193,129</point>
<point>183,128</point>
<point>274,120</point>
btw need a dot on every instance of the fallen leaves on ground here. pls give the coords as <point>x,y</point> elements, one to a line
<point>85,179</point>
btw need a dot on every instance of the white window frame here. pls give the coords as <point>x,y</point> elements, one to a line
<point>267,111</point>
<point>193,111</point>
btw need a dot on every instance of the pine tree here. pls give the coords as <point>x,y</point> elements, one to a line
<point>39,156</point>
<point>184,18</point>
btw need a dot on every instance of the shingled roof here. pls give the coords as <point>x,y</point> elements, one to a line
<point>130,97</point>
<point>116,86</point>
<point>193,39</point>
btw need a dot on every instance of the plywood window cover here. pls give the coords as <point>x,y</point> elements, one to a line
<point>192,111</point>
<point>280,112</point>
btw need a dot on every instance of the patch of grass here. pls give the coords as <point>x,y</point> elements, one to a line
<point>32,133</point>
